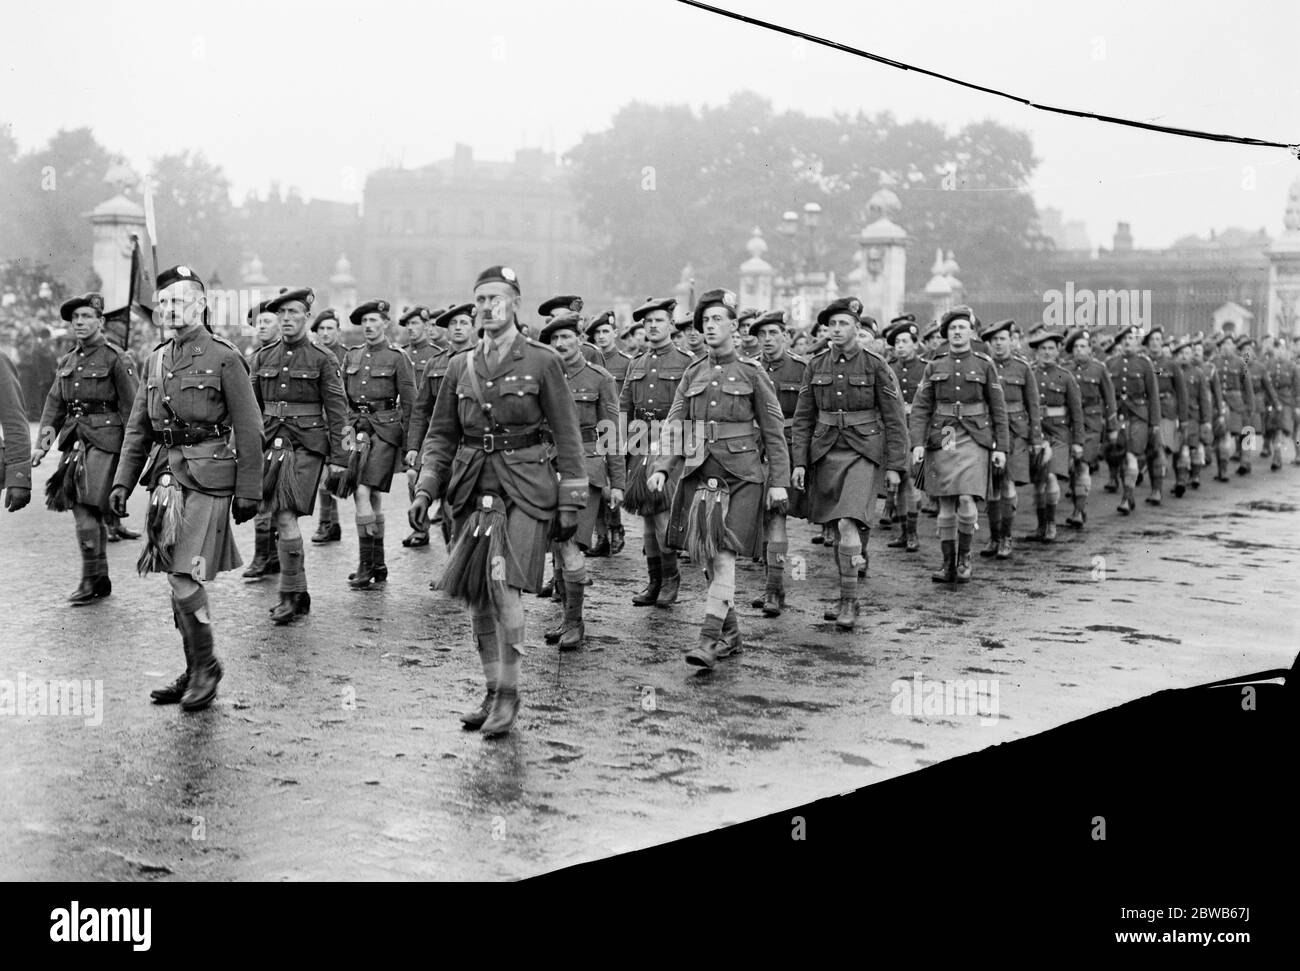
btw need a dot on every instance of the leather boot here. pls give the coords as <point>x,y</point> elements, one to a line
<point>913,542</point>
<point>1037,535</point>
<point>377,557</point>
<point>504,711</point>
<point>601,548</point>
<point>648,596</point>
<point>1079,516</point>
<point>963,570</point>
<point>360,580</point>
<point>995,528</point>
<point>731,642</point>
<point>671,580</point>
<point>328,531</point>
<point>261,538</point>
<point>1157,481</point>
<point>574,629</point>
<point>205,670</point>
<point>774,596</point>
<point>273,552</point>
<point>291,607</point>
<point>417,538</point>
<point>171,694</point>
<point>847,611</point>
<point>705,653</point>
<point>1004,539</point>
<point>475,719</point>
<point>1049,523</point>
<point>948,572</point>
<point>119,532</point>
<point>92,586</point>
<point>1126,504</point>
<point>617,540</point>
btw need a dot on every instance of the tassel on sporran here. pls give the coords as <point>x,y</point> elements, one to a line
<point>706,522</point>
<point>476,566</point>
<point>162,527</point>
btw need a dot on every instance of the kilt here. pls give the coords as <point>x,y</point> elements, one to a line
<point>527,541</point>
<point>1018,460</point>
<point>307,468</point>
<point>100,467</point>
<point>1169,437</point>
<point>1281,419</point>
<point>1058,436</point>
<point>205,543</point>
<point>637,473</point>
<point>843,485</point>
<point>744,508</point>
<point>797,506</point>
<point>1238,419</point>
<point>963,470</point>
<point>383,462</point>
<point>1134,434</point>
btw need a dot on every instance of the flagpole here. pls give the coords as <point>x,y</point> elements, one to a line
<point>151,227</point>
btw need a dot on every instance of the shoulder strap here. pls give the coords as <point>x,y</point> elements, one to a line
<point>472,377</point>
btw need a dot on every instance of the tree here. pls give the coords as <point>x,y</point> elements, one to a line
<point>196,219</point>
<point>664,186</point>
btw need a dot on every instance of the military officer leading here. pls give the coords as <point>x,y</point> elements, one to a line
<point>86,409</point>
<point>300,392</point>
<point>484,457</point>
<point>195,433</point>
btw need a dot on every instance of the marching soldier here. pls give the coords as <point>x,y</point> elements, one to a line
<point>1062,419</point>
<point>570,303</point>
<point>647,395</point>
<point>418,323</point>
<point>1261,388</point>
<point>1198,431</point>
<point>633,338</point>
<point>1279,421</point>
<point>609,529</point>
<point>1239,396</point>
<point>785,371</point>
<point>87,408</point>
<point>710,433</point>
<point>596,403</point>
<point>15,440</point>
<point>958,423</point>
<point>848,427</point>
<point>1174,411</point>
<point>1137,406</point>
<point>930,341</point>
<point>458,320</point>
<point>484,457</point>
<point>902,338</point>
<point>380,389</point>
<point>195,434</point>
<point>1099,421</point>
<point>326,328</point>
<point>266,542</point>
<point>300,392</point>
<point>1025,431</point>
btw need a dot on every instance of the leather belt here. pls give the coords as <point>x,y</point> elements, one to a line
<point>722,430</point>
<point>847,419</point>
<point>1055,411</point>
<point>650,414</point>
<point>291,409</point>
<point>502,442</point>
<point>79,409</point>
<point>190,435</point>
<point>372,407</point>
<point>956,409</point>
<point>1015,407</point>
<point>1133,401</point>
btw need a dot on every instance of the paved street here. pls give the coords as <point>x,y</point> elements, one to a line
<point>334,750</point>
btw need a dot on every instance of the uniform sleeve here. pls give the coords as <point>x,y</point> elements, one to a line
<point>443,436</point>
<point>1184,403</point>
<point>1033,408</point>
<point>561,417</point>
<point>771,426</point>
<point>805,418</point>
<point>1206,401</point>
<point>889,402</point>
<point>405,388</point>
<point>1074,402</point>
<point>421,411</point>
<point>1153,393</point>
<point>1111,416</point>
<point>1247,388</point>
<point>126,383</point>
<point>998,408</point>
<point>336,407</point>
<point>137,439</point>
<point>246,418</point>
<point>615,465</point>
<point>17,472</point>
<point>625,392</point>
<point>918,423</point>
<point>1270,392</point>
<point>672,438</point>
<point>254,363</point>
<point>53,414</point>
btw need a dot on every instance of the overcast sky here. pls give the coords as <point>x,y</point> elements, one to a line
<point>317,94</point>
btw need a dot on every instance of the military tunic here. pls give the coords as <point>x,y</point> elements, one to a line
<point>1174,404</point>
<point>786,374</point>
<point>1062,408</point>
<point>1200,406</point>
<point>489,442</point>
<point>960,415</point>
<point>616,363</point>
<point>1261,386</point>
<point>596,403</point>
<point>193,394</point>
<point>380,388</point>
<point>1137,400</point>
<point>1238,393</point>
<point>723,407</point>
<point>1098,396</point>
<point>15,440</point>
<point>87,408</point>
<point>300,391</point>
<point>1218,404</point>
<point>648,393</point>
<point>428,384</point>
<point>1284,375</point>
<point>1024,413</point>
<point>420,354</point>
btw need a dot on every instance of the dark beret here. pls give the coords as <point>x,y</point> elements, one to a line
<point>654,303</point>
<point>600,320</point>
<point>179,272</point>
<point>634,324</point>
<point>1151,333</point>
<point>1121,334</point>
<point>564,320</point>
<point>92,300</point>
<point>419,310</point>
<point>257,311</point>
<point>910,318</point>
<point>719,296</point>
<point>997,328</point>
<point>869,322</point>
<point>957,313</point>
<point>1244,341</point>
<point>844,305</point>
<point>900,327</point>
<point>1043,336</point>
<point>327,314</point>
<point>1181,343</point>
<point>930,331</point>
<point>563,302</point>
<point>1073,338</point>
<point>498,274</point>
<point>777,317</point>
<point>304,295</point>
<point>456,310</point>
<point>380,307</point>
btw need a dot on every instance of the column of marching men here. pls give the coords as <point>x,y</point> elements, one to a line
<point>706,425</point>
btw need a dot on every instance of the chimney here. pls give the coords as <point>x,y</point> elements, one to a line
<point>1123,242</point>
